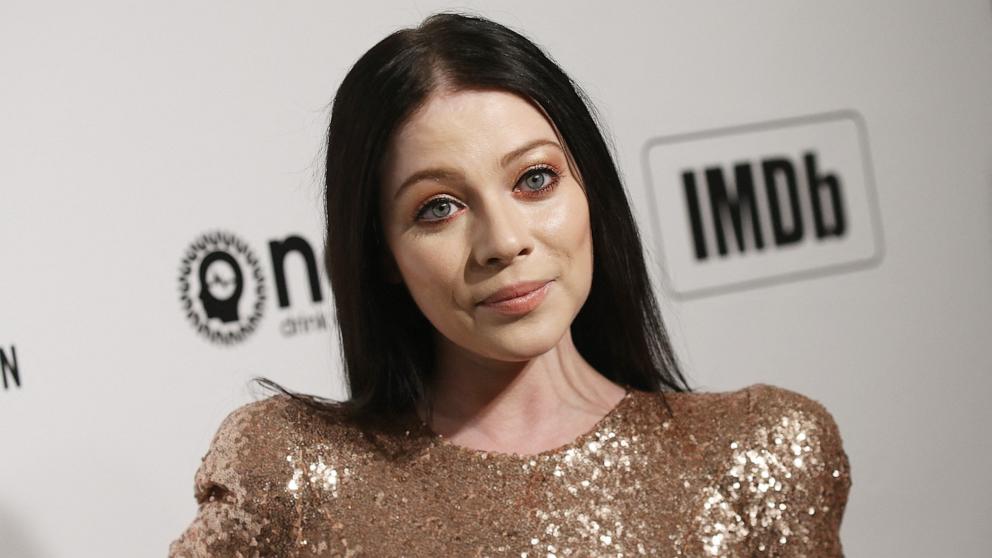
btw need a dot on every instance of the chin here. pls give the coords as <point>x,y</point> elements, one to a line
<point>523,341</point>
<point>516,353</point>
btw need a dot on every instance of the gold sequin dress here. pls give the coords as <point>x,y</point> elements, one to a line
<point>760,471</point>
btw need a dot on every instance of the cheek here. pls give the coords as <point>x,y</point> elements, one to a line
<point>566,226</point>
<point>429,266</point>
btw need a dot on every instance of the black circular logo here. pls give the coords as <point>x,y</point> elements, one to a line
<point>221,287</point>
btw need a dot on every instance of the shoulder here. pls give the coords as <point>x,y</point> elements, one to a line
<point>775,476</point>
<point>762,406</point>
<point>270,413</point>
<point>250,442</point>
<point>280,438</point>
<point>794,429</point>
<point>787,463</point>
<point>767,398</point>
<point>259,435</point>
<point>792,423</point>
<point>244,486</point>
<point>275,411</point>
<point>258,427</point>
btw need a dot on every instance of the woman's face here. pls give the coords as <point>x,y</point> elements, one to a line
<point>477,195</point>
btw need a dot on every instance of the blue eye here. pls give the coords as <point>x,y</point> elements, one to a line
<point>538,181</point>
<point>437,209</point>
<point>550,176</point>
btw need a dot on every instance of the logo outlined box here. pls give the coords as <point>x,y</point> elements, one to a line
<point>765,203</point>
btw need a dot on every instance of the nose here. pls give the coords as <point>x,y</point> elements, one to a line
<point>501,232</point>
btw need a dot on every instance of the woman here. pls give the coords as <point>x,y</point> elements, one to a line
<point>512,388</point>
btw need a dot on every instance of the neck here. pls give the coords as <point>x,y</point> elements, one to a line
<point>524,407</point>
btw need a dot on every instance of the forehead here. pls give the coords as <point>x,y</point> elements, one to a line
<point>465,126</point>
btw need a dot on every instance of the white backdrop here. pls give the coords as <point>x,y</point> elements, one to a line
<point>129,130</point>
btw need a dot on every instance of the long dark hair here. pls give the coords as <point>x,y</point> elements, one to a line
<point>387,343</point>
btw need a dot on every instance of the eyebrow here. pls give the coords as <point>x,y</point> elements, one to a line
<point>449,175</point>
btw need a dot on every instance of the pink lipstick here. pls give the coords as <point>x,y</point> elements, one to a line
<point>518,299</point>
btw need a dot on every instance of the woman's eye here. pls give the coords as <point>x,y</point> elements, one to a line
<point>538,179</point>
<point>437,210</point>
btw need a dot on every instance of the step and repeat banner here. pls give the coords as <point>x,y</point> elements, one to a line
<point>813,183</point>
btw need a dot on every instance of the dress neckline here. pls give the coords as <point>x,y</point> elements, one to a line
<point>604,422</point>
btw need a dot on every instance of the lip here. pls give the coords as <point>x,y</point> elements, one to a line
<point>518,298</point>
<point>515,290</point>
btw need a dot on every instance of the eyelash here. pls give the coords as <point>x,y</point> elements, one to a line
<point>555,178</point>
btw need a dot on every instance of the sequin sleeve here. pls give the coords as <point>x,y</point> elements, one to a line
<point>799,474</point>
<point>243,510</point>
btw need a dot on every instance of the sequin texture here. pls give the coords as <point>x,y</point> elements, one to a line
<point>759,471</point>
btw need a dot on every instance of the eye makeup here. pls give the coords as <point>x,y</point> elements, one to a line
<point>553,175</point>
